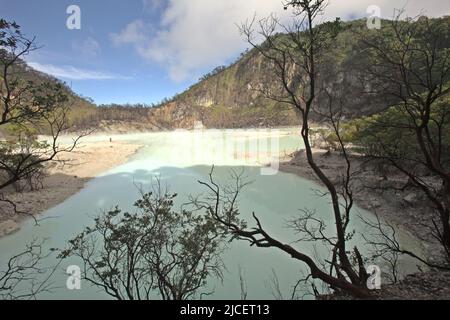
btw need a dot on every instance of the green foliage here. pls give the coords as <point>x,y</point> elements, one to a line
<point>22,153</point>
<point>31,104</point>
<point>407,49</point>
<point>9,32</point>
<point>216,70</point>
<point>31,96</point>
<point>392,134</point>
<point>167,253</point>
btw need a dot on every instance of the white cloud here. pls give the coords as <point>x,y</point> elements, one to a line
<point>197,34</point>
<point>134,33</point>
<point>88,47</point>
<point>72,73</point>
<point>152,5</point>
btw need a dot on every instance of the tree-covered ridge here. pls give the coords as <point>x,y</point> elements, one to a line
<point>230,97</point>
<point>23,76</point>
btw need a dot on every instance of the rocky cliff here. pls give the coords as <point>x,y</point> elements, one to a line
<point>227,99</point>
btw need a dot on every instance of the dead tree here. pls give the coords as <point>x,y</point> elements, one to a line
<point>411,68</point>
<point>24,276</point>
<point>29,108</point>
<point>294,56</point>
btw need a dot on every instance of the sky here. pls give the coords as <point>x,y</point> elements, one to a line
<point>141,51</point>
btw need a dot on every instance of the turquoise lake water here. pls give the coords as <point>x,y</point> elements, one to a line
<point>275,198</point>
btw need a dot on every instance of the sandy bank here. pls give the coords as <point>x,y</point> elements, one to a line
<point>65,179</point>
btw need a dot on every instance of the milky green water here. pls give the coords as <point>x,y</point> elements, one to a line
<point>274,198</point>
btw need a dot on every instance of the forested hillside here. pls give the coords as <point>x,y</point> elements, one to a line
<point>231,97</point>
<point>80,108</point>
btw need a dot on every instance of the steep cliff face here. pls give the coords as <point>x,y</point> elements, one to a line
<point>229,98</point>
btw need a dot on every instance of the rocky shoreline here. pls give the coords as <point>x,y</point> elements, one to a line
<point>393,200</point>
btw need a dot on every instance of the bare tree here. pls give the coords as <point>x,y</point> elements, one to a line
<point>26,109</point>
<point>411,68</point>
<point>25,276</point>
<point>156,252</point>
<point>221,204</point>
<point>294,56</point>
<point>243,285</point>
